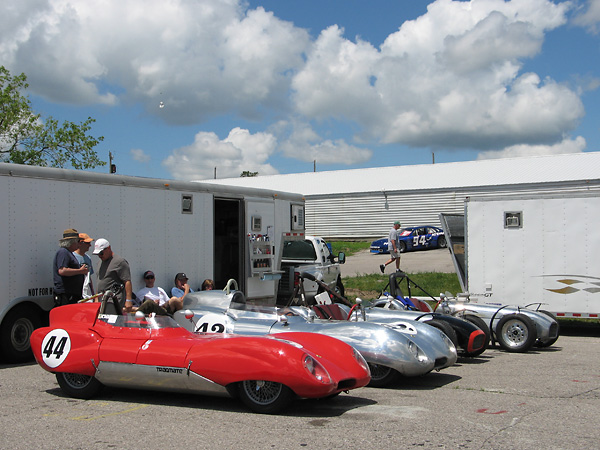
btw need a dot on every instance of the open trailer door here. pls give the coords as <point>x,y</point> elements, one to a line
<point>454,230</point>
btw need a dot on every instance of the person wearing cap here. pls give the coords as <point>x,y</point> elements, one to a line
<point>155,299</point>
<point>114,271</point>
<point>68,273</point>
<point>85,242</point>
<point>181,288</point>
<point>393,248</point>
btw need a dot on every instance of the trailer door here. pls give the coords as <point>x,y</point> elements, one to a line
<point>229,242</point>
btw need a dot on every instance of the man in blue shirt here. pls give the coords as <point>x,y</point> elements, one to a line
<point>67,272</point>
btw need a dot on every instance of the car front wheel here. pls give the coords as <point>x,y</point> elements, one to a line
<point>78,386</point>
<point>402,246</point>
<point>516,333</point>
<point>382,376</point>
<point>265,397</point>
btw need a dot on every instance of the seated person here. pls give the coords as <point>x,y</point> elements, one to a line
<point>181,288</point>
<point>155,299</point>
<point>208,285</point>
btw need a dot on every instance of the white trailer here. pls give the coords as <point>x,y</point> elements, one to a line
<point>205,230</point>
<point>522,250</point>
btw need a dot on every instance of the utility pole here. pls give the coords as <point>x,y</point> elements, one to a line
<point>314,165</point>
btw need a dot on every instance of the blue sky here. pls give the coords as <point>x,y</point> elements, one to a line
<point>273,86</point>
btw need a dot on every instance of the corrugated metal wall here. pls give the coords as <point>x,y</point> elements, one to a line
<point>367,216</point>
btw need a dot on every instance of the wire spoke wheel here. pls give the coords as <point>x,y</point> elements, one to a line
<point>264,396</point>
<point>382,375</point>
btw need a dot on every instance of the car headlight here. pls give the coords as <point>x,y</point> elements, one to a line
<point>315,368</point>
<point>448,342</point>
<point>361,361</point>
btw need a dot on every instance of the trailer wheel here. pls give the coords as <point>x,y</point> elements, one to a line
<point>78,386</point>
<point>480,323</point>
<point>550,342</point>
<point>17,327</point>
<point>382,376</point>
<point>516,333</point>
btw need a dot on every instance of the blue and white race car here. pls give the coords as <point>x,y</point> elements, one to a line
<point>413,238</point>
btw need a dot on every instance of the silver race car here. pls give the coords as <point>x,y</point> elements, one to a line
<point>515,328</point>
<point>404,348</point>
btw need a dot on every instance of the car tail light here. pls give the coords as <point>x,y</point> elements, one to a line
<point>316,369</point>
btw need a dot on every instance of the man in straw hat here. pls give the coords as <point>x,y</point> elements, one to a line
<point>68,273</point>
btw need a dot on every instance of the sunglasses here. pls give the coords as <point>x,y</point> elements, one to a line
<point>149,277</point>
<point>101,253</point>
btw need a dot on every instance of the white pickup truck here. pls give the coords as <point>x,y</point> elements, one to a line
<point>313,255</point>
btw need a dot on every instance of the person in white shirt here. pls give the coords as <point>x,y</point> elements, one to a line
<point>158,296</point>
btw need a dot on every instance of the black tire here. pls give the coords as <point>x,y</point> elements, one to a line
<point>265,397</point>
<point>402,246</point>
<point>382,376</point>
<point>550,342</point>
<point>516,333</point>
<point>445,328</point>
<point>480,323</point>
<point>441,243</point>
<point>339,287</point>
<point>17,327</point>
<point>78,386</point>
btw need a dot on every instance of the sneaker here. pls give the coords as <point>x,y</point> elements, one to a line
<point>382,268</point>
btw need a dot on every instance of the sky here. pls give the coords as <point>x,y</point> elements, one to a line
<point>193,89</point>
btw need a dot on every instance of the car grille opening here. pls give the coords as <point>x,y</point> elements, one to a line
<point>441,362</point>
<point>347,384</point>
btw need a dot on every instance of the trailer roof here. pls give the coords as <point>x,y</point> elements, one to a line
<point>19,170</point>
<point>491,172</point>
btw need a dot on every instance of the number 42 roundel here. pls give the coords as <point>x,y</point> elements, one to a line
<point>55,347</point>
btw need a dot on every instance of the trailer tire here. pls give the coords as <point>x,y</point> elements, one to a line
<point>550,342</point>
<point>516,333</point>
<point>16,330</point>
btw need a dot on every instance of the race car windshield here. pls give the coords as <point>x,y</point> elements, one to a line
<point>130,321</point>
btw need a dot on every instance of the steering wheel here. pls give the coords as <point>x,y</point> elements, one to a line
<point>230,283</point>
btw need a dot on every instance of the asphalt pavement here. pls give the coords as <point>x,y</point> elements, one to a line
<point>546,399</point>
<point>365,262</point>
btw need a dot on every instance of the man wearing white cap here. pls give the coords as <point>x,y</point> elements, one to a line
<point>113,270</point>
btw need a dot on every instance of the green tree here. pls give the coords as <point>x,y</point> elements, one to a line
<point>247,173</point>
<point>26,139</point>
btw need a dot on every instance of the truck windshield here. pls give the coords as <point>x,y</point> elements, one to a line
<point>299,250</point>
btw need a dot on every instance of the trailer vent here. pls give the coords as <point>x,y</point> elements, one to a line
<point>187,204</point>
<point>513,219</point>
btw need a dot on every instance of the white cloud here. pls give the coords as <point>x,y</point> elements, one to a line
<point>202,58</point>
<point>239,152</point>
<point>449,78</point>
<point>589,17</point>
<point>304,144</point>
<point>576,145</point>
<point>139,155</point>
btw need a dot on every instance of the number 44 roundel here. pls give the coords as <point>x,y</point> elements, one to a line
<point>55,347</point>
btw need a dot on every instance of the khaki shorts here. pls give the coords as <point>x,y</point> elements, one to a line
<point>394,255</point>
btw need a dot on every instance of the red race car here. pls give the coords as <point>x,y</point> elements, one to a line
<point>87,349</point>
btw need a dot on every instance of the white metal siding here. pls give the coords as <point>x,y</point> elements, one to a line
<point>364,216</point>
